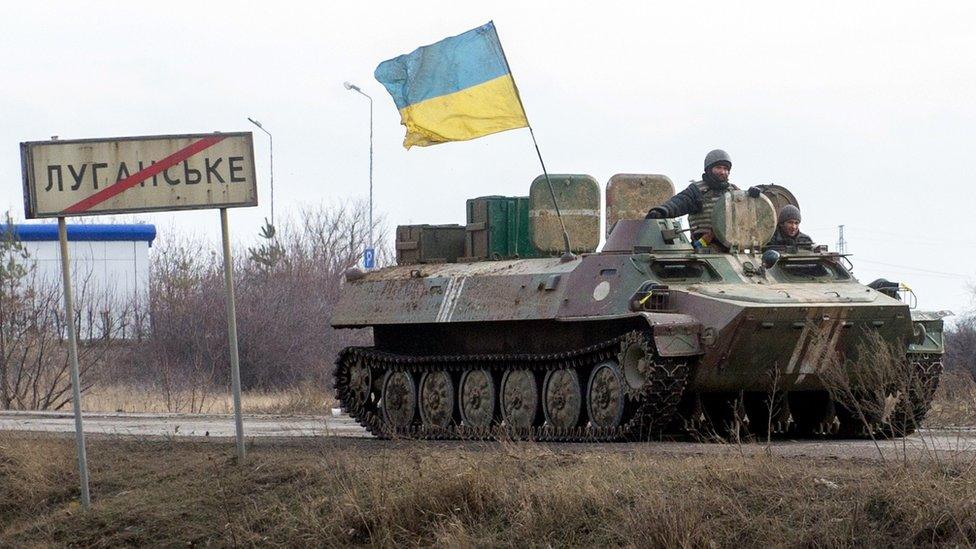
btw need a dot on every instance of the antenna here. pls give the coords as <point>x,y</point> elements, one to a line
<point>841,243</point>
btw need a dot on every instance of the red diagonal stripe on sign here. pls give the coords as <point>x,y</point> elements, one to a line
<point>142,175</point>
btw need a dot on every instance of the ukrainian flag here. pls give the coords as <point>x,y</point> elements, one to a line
<point>457,89</point>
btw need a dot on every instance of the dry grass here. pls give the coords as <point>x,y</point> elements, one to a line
<point>341,493</point>
<point>303,400</point>
<point>954,404</point>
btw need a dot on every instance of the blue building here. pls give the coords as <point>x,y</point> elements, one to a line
<point>109,266</point>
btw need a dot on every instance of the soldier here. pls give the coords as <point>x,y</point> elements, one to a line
<point>699,198</point>
<point>788,229</point>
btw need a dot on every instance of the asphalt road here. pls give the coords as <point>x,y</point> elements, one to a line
<point>182,425</point>
<point>927,444</point>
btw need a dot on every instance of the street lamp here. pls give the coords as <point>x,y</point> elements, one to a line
<point>357,89</point>
<point>271,152</point>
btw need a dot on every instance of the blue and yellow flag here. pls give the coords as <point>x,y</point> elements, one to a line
<point>457,89</point>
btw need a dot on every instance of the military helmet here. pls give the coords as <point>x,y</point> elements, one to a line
<point>787,213</point>
<point>716,156</point>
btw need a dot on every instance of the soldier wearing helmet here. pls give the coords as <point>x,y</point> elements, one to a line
<point>699,198</point>
<point>788,229</point>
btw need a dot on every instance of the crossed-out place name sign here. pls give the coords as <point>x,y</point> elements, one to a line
<point>138,174</point>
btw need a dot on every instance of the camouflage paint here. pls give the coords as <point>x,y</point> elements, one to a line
<point>741,320</point>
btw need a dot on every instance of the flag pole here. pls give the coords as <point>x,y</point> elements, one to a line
<point>568,254</point>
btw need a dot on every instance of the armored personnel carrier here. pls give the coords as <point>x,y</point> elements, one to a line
<point>649,335</point>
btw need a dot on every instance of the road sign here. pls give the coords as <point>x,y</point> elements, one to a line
<point>369,258</point>
<point>138,174</point>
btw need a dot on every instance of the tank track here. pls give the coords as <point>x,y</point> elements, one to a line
<point>649,409</point>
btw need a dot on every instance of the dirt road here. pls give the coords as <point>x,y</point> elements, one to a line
<point>927,444</point>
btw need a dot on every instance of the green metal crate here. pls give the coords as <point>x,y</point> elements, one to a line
<point>498,228</point>
<point>429,243</point>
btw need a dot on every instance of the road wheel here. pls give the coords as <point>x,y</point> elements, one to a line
<point>477,398</point>
<point>519,399</point>
<point>399,404</point>
<point>436,399</point>
<point>360,382</point>
<point>562,399</point>
<point>605,395</point>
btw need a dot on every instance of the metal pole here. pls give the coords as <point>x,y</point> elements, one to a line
<point>235,369</point>
<point>568,253</point>
<point>69,311</point>
<point>357,89</point>
<point>370,171</point>
<point>271,153</point>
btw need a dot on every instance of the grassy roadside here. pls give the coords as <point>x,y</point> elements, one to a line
<point>132,398</point>
<point>339,493</point>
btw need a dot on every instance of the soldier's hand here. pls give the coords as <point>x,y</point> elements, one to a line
<point>654,214</point>
<point>754,192</point>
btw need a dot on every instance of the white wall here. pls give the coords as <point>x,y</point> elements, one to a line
<point>113,275</point>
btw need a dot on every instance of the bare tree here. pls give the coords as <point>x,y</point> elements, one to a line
<point>287,287</point>
<point>34,366</point>
<point>186,345</point>
<point>286,305</point>
<point>960,342</point>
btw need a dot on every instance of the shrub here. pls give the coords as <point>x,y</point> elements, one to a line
<point>286,289</point>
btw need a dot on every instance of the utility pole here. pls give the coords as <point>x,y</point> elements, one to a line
<point>841,243</point>
<point>357,89</point>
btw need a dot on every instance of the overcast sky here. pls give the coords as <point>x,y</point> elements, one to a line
<point>865,110</point>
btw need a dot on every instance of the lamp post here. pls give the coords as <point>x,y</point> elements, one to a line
<point>271,154</point>
<point>357,89</point>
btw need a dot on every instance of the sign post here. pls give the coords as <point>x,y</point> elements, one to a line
<point>69,313</point>
<point>369,258</point>
<point>140,174</point>
<point>235,369</point>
